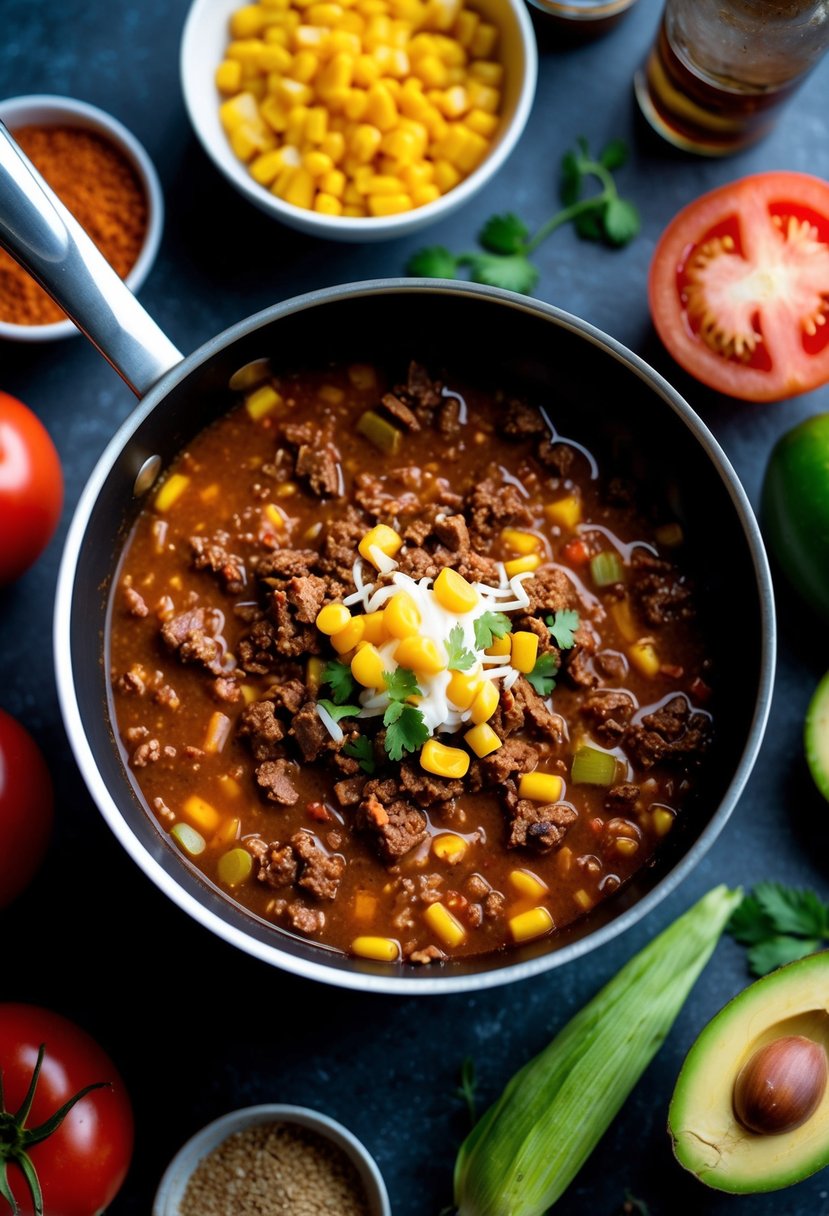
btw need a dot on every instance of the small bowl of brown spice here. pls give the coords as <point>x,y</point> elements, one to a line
<point>272,1161</point>
<point>104,177</point>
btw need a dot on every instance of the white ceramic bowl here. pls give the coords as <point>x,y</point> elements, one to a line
<point>45,110</point>
<point>203,47</point>
<point>177,1175</point>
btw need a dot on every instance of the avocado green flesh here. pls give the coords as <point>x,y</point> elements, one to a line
<point>816,736</point>
<point>708,1139</point>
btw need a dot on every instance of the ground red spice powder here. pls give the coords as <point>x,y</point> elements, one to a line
<point>101,189</point>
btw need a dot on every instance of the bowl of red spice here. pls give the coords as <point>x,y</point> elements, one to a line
<point>103,176</point>
<point>272,1160</point>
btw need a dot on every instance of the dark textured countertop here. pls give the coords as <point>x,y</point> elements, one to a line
<point>197,1028</point>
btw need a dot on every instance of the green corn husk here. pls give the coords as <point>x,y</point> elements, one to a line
<point>529,1146</point>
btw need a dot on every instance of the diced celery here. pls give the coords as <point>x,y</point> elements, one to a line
<point>188,839</point>
<point>606,568</point>
<point>380,432</point>
<point>593,767</point>
<point>235,867</point>
<point>526,1150</point>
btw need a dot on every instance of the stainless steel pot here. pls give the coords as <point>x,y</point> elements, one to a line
<point>610,398</point>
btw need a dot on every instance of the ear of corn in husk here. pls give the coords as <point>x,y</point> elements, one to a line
<point>525,1151</point>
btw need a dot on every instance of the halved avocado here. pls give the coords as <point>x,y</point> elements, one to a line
<point>708,1139</point>
<point>816,736</point>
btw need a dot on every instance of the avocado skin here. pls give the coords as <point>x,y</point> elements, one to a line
<point>795,509</point>
<point>816,736</point>
<point>707,1139</point>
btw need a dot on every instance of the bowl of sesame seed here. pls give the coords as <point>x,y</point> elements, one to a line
<point>270,1160</point>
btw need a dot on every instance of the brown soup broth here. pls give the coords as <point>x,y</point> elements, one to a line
<point>242,482</point>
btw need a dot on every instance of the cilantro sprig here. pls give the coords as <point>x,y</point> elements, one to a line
<point>491,625</point>
<point>361,750</point>
<point>543,675</point>
<point>563,626</point>
<point>339,711</point>
<point>406,729</point>
<point>339,679</point>
<point>460,659</point>
<point>779,924</point>
<point>506,241</point>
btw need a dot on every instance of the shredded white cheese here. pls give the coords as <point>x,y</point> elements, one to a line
<point>330,725</point>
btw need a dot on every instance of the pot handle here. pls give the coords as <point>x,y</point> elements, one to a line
<point>39,232</point>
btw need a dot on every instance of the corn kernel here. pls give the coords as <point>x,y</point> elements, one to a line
<point>583,900</point>
<point>247,21</point>
<point>247,141</point>
<point>446,175</point>
<point>421,654</point>
<point>540,787</point>
<point>332,618</point>
<point>528,884</point>
<point>422,195</point>
<point>171,491</point>
<point>229,76</point>
<point>520,565</point>
<point>305,67</point>
<point>444,925</point>
<point>380,949</point>
<point>317,163</point>
<point>662,819</point>
<point>348,637</point>
<point>246,51</point>
<point>528,925</point>
<point>275,114</point>
<point>374,629</point>
<point>644,658</point>
<point>500,646</point>
<point>327,204</point>
<point>381,109</point>
<point>483,41</point>
<point>201,814</point>
<point>313,675</point>
<point>483,97</point>
<point>365,143</point>
<point>366,71</point>
<point>463,688</point>
<point>482,123</point>
<point>249,694</point>
<point>485,703</point>
<point>333,183</point>
<point>266,168</point>
<point>380,537</point>
<point>356,104</point>
<point>389,204</point>
<point>524,650</point>
<point>443,761</point>
<point>367,667</point>
<point>337,74</point>
<point>465,26</point>
<point>454,593</point>
<point>566,512</point>
<point>286,490</point>
<point>449,847</point>
<point>520,542</point>
<point>482,739</point>
<point>231,789</point>
<point>401,616</point>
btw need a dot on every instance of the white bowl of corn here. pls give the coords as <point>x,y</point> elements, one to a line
<point>358,120</point>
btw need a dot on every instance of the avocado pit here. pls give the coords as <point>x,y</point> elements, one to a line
<point>781,1085</point>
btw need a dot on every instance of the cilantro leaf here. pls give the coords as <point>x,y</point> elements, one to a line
<point>503,234</point>
<point>542,676</point>
<point>401,684</point>
<point>513,272</point>
<point>406,729</point>
<point>614,154</point>
<point>588,225</point>
<point>620,220</point>
<point>563,627</point>
<point>776,951</point>
<point>779,924</point>
<point>434,262</point>
<point>340,680</point>
<point>491,625</point>
<point>339,711</point>
<point>361,749</point>
<point>460,659</point>
<point>570,187</point>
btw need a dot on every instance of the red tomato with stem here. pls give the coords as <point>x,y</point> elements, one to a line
<point>739,286</point>
<point>79,1166</point>
<point>26,802</point>
<point>31,488</point>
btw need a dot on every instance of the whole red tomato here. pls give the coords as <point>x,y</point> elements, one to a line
<point>25,808</point>
<point>81,1165</point>
<point>739,282</point>
<point>31,488</point>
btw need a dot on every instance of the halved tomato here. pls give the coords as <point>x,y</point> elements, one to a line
<point>739,286</point>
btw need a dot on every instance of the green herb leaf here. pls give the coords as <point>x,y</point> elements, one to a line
<point>339,711</point>
<point>588,225</point>
<point>340,680</point>
<point>512,273</point>
<point>542,676</point>
<point>406,729</point>
<point>570,187</point>
<point>401,684</point>
<point>621,221</point>
<point>491,625</point>
<point>779,924</point>
<point>503,234</point>
<point>614,154</point>
<point>434,262</point>
<point>361,749</point>
<point>563,627</point>
<point>460,659</point>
